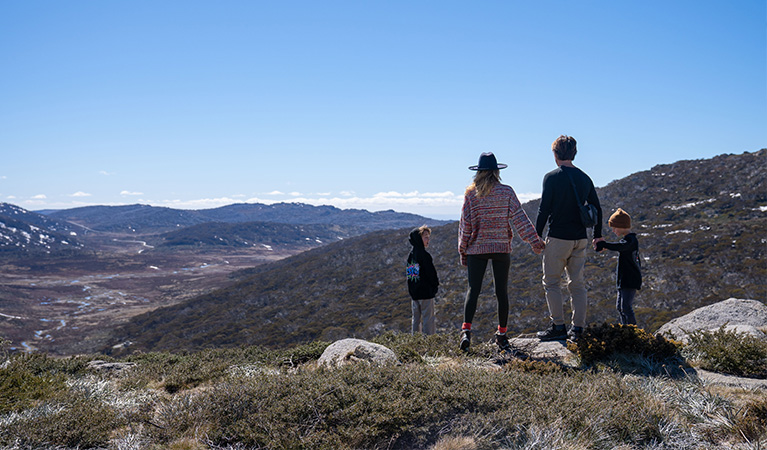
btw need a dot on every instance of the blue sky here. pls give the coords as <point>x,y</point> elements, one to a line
<point>362,104</point>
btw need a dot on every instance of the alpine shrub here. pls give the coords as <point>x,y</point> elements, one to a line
<point>602,342</point>
<point>728,351</point>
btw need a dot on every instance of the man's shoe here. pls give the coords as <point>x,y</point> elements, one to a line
<point>553,333</point>
<point>575,333</point>
<point>465,339</point>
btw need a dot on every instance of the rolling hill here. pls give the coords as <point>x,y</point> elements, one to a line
<point>701,226</point>
<point>258,234</point>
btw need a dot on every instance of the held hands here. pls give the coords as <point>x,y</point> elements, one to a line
<point>538,246</point>
<point>596,245</point>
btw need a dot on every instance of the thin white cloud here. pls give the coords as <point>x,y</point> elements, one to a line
<point>275,193</point>
<point>11,197</point>
<point>131,193</point>
<point>427,203</point>
<point>104,172</point>
<point>39,197</point>
<point>202,203</point>
<point>80,194</point>
<point>445,204</point>
<point>295,194</point>
<point>528,196</point>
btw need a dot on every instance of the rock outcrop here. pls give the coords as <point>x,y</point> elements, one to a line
<point>114,367</point>
<point>743,316</point>
<point>348,351</point>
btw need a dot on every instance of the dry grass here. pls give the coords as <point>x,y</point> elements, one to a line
<point>440,400</point>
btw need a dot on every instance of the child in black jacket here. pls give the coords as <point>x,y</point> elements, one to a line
<point>629,271</point>
<point>422,282</point>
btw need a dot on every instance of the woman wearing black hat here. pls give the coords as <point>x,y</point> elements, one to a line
<point>490,209</point>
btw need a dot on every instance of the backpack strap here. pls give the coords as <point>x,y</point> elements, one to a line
<point>572,183</point>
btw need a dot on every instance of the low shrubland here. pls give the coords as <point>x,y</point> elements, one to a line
<point>630,391</point>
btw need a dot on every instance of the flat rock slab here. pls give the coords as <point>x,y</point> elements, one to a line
<point>730,380</point>
<point>732,312</point>
<point>547,351</point>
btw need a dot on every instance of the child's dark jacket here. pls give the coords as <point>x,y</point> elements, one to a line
<point>422,281</point>
<point>629,266</point>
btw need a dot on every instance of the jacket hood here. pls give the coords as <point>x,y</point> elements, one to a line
<point>415,239</point>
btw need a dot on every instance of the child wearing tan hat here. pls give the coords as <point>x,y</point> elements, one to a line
<point>629,272</point>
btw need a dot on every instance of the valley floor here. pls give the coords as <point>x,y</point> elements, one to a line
<point>68,306</point>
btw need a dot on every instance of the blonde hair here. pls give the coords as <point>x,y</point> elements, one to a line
<point>424,229</point>
<point>484,181</point>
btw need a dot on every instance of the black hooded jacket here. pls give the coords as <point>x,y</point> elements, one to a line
<point>422,281</point>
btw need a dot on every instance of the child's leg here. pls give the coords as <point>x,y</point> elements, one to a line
<point>625,306</point>
<point>429,319</point>
<point>416,324</point>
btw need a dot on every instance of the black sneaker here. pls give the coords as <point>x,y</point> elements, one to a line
<point>503,342</point>
<point>503,345</point>
<point>553,333</point>
<point>465,339</point>
<point>575,333</point>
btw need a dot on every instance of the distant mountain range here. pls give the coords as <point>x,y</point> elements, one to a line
<point>701,226</point>
<point>144,219</point>
<point>293,226</point>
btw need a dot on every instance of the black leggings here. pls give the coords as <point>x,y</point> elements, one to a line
<point>476,267</point>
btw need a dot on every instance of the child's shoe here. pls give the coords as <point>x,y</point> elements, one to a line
<point>575,333</point>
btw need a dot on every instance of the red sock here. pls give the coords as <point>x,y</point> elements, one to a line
<point>501,330</point>
<point>466,326</point>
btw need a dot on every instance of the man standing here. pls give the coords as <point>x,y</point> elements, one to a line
<point>567,240</point>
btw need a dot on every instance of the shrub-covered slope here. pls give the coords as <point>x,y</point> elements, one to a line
<point>701,226</point>
<point>255,234</point>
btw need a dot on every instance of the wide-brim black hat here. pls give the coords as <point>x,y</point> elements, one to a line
<point>487,161</point>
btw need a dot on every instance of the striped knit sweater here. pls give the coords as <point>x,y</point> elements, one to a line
<point>486,223</point>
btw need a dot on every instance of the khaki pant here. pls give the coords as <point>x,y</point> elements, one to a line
<point>569,257</point>
<point>424,320</point>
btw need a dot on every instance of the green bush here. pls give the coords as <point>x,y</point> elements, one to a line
<point>606,341</point>
<point>21,389</point>
<point>74,423</point>
<point>728,351</point>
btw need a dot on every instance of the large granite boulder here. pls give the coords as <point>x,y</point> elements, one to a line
<point>348,351</point>
<point>742,316</point>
